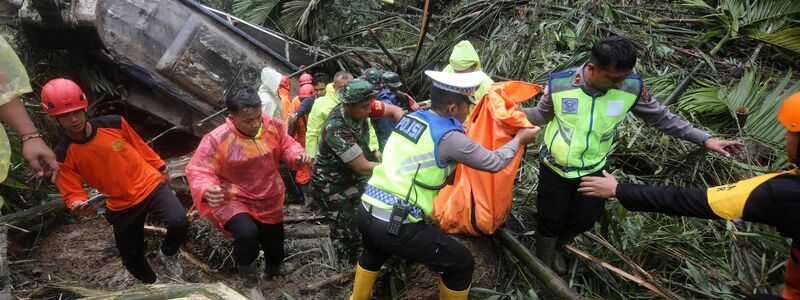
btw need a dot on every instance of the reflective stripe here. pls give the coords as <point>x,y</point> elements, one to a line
<point>380,213</point>
<point>413,168</point>
<point>417,159</point>
<point>390,199</point>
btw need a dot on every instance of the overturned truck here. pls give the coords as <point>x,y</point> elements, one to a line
<point>182,57</point>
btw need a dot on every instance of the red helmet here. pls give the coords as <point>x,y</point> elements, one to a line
<point>307,90</point>
<point>306,79</point>
<point>285,82</point>
<point>60,96</point>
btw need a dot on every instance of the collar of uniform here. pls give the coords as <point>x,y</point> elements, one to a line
<point>578,81</point>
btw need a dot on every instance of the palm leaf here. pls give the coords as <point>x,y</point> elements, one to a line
<point>788,39</point>
<point>300,18</point>
<point>254,11</point>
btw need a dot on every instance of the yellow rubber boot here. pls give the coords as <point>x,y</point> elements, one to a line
<point>447,294</point>
<point>362,285</point>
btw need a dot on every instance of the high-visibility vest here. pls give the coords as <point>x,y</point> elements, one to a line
<point>578,139</point>
<point>410,158</point>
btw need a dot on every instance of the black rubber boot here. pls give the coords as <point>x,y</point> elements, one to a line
<point>559,261</point>
<point>545,248</point>
<point>250,287</point>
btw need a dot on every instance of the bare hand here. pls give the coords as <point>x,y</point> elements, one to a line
<point>304,159</point>
<point>35,151</point>
<point>527,135</point>
<point>723,146</point>
<point>213,195</point>
<point>292,119</point>
<point>378,155</point>
<point>595,186</point>
<point>83,208</point>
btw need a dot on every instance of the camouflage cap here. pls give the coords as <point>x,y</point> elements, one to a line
<point>357,90</point>
<point>391,79</point>
<point>372,75</point>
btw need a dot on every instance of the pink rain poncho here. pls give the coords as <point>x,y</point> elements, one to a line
<point>245,168</point>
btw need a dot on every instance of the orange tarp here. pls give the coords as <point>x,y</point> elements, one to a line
<point>478,202</point>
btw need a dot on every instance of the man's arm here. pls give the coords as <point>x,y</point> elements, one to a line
<point>202,170</point>
<point>343,143</point>
<point>455,146</point>
<point>70,186</point>
<point>689,202</point>
<point>316,120</point>
<point>660,117</point>
<point>14,82</point>
<point>543,112</point>
<point>305,107</point>
<point>144,150</point>
<point>382,110</point>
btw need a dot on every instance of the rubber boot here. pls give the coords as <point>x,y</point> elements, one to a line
<point>362,285</point>
<point>249,275</point>
<point>447,294</point>
<point>545,249</point>
<point>307,199</point>
<point>270,272</point>
<point>171,264</point>
<point>559,261</point>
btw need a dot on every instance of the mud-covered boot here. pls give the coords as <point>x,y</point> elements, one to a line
<point>307,199</point>
<point>250,287</point>
<point>270,272</point>
<point>559,259</point>
<point>545,249</point>
<point>171,263</point>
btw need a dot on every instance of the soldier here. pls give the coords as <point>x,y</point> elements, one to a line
<point>344,163</point>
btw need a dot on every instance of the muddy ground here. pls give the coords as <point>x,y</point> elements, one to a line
<point>82,253</point>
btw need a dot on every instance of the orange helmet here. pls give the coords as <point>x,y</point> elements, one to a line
<point>60,96</point>
<point>306,79</point>
<point>789,115</point>
<point>307,90</point>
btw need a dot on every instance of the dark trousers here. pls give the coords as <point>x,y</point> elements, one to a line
<point>417,242</point>
<point>129,230</point>
<point>249,233</point>
<point>562,209</point>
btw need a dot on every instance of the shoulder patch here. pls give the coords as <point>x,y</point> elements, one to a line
<point>410,128</point>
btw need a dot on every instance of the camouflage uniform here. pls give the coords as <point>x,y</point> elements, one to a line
<point>334,185</point>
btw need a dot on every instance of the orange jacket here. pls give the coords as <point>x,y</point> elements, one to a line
<point>113,159</point>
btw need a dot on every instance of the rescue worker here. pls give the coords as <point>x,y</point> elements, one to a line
<point>372,75</point>
<point>772,199</point>
<point>235,183</point>
<point>319,113</point>
<point>390,94</point>
<point>582,108</point>
<point>13,83</point>
<point>284,88</point>
<point>107,154</point>
<point>319,82</point>
<point>343,164</point>
<point>297,130</point>
<point>464,59</point>
<point>271,101</point>
<point>421,156</point>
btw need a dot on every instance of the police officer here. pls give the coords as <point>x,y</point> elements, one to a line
<point>582,108</point>
<point>421,154</point>
<point>772,199</point>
